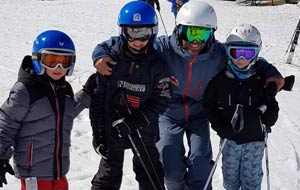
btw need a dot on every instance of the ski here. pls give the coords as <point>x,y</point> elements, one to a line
<point>292,45</point>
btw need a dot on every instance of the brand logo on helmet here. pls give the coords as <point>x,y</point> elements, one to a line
<point>137,17</point>
<point>61,43</point>
<point>245,32</point>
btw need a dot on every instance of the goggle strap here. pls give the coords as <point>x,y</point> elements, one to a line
<point>36,56</point>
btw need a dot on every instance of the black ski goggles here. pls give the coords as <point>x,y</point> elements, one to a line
<point>137,33</point>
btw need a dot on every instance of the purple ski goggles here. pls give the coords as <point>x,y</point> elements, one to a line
<point>238,52</point>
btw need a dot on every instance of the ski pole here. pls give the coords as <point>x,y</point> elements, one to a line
<point>267,157</point>
<point>124,99</point>
<point>215,164</point>
<point>137,152</point>
<point>238,116</point>
<point>162,21</point>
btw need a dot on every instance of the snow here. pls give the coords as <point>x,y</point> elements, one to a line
<point>89,22</point>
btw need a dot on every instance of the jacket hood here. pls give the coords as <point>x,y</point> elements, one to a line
<point>26,70</point>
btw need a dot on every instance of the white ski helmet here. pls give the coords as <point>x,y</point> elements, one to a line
<point>244,33</point>
<point>197,13</point>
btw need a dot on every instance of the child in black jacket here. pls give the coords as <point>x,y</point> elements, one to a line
<point>125,107</point>
<point>239,107</point>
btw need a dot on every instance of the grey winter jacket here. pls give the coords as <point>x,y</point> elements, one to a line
<point>36,120</point>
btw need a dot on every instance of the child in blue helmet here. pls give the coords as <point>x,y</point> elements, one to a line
<point>239,109</point>
<point>37,118</point>
<point>125,107</point>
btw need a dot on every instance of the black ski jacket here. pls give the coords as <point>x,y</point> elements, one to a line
<point>222,95</point>
<point>144,80</point>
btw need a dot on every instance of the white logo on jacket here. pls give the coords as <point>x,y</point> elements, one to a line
<point>132,87</point>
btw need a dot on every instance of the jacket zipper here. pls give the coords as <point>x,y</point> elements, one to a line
<point>57,156</point>
<point>187,89</point>
<point>57,138</point>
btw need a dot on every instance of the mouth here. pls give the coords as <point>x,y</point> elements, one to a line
<point>57,73</point>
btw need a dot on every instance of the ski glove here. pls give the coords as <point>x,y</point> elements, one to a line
<point>5,167</point>
<point>127,125</point>
<point>157,6</point>
<point>102,150</point>
<point>99,143</point>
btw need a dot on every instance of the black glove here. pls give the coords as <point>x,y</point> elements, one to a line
<point>100,149</point>
<point>99,143</point>
<point>124,126</point>
<point>127,125</point>
<point>157,6</point>
<point>5,167</point>
<point>90,84</point>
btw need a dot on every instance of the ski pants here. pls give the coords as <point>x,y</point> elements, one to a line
<point>182,171</point>
<point>60,184</point>
<point>109,175</point>
<point>242,165</point>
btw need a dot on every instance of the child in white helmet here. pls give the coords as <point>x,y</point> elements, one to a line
<point>239,108</point>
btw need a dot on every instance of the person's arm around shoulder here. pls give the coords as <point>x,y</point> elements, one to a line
<point>101,58</point>
<point>271,73</point>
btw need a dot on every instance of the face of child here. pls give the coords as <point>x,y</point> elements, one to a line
<point>136,46</point>
<point>241,63</point>
<point>56,74</point>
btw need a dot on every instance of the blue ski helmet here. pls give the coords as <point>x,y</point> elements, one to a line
<point>138,14</point>
<point>51,40</point>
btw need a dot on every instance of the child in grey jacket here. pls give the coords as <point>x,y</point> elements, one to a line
<point>37,118</point>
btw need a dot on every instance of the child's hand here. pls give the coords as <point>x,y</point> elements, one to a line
<point>5,167</point>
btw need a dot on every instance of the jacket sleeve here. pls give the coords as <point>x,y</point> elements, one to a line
<point>103,49</point>
<point>82,101</point>
<point>267,69</point>
<point>97,104</point>
<point>12,113</point>
<point>212,112</point>
<point>161,93</point>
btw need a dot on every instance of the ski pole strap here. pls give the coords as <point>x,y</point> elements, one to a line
<point>237,120</point>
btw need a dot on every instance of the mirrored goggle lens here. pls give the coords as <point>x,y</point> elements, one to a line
<point>137,33</point>
<point>53,60</point>
<point>195,33</point>
<point>248,53</point>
